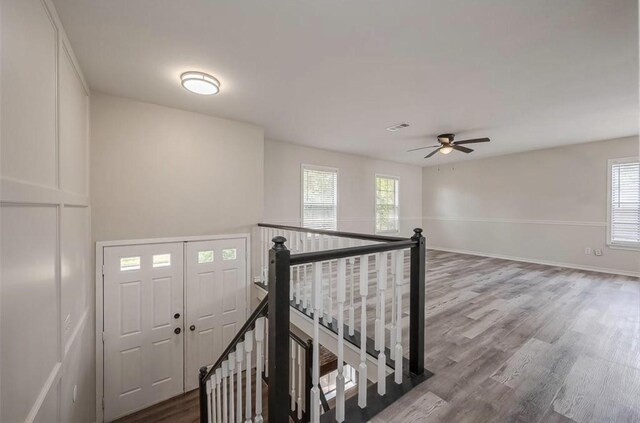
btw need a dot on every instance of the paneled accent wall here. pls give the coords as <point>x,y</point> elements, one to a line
<point>46,308</point>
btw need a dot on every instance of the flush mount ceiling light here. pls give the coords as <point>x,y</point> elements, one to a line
<point>200,83</point>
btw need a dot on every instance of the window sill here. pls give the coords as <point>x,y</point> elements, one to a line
<point>624,247</point>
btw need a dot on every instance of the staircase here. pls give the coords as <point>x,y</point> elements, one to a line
<point>329,300</point>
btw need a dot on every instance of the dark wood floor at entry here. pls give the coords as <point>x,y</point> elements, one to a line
<point>517,342</point>
<point>185,408</point>
<point>512,342</point>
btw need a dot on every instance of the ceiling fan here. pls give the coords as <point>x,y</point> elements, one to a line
<point>447,145</point>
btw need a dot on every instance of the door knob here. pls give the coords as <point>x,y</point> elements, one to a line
<point>192,328</point>
<point>177,331</point>
<point>176,316</point>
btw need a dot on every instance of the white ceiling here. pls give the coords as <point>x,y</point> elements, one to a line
<point>334,74</point>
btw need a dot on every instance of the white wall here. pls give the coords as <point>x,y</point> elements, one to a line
<point>545,205</point>
<point>46,289</point>
<point>356,187</point>
<point>158,171</point>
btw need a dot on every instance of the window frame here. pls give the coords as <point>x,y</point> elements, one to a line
<point>617,245</point>
<point>375,203</point>
<point>320,168</point>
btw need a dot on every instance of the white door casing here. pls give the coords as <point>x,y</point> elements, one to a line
<point>143,310</point>
<point>216,292</point>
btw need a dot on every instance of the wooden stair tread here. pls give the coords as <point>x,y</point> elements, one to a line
<point>328,361</point>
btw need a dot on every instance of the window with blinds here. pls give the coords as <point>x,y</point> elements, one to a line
<point>387,204</point>
<point>624,202</point>
<point>319,198</point>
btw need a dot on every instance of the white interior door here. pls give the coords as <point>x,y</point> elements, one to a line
<point>216,300</point>
<point>143,326</point>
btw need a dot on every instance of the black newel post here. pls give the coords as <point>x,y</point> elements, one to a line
<point>416,304</point>
<point>279,268</point>
<point>203,395</point>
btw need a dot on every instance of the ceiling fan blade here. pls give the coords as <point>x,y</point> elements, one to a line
<point>431,154</point>
<point>472,141</point>
<point>422,148</point>
<point>463,149</point>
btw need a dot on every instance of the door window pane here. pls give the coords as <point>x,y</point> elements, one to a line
<point>205,256</point>
<point>161,260</point>
<point>229,254</point>
<point>129,263</point>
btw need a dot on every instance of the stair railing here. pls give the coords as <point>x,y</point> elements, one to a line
<point>329,276</point>
<point>309,277</point>
<point>222,397</point>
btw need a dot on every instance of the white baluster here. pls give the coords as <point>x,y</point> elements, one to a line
<point>232,392</point>
<point>392,328</point>
<point>259,335</point>
<point>225,393</point>
<point>352,308</point>
<point>298,270</point>
<point>335,244</point>
<point>323,305</point>
<point>292,275</point>
<point>309,287</point>
<point>304,268</point>
<point>340,294</point>
<point>218,395</point>
<point>362,370</point>
<point>209,408</point>
<point>303,282</point>
<point>265,249</point>
<point>300,373</point>
<point>399,282</point>
<point>248,349</point>
<point>382,358</point>
<point>262,254</point>
<point>292,395</point>
<point>322,300</point>
<point>376,329</point>
<point>239,358</point>
<point>316,298</point>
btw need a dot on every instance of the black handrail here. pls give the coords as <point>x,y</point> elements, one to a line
<point>260,311</point>
<point>354,235</point>
<point>326,255</point>
<point>277,305</point>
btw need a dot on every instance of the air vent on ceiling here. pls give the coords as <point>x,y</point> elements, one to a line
<point>397,127</point>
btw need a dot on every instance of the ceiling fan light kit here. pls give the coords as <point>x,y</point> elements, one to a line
<point>447,145</point>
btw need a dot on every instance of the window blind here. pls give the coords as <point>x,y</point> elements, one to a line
<point>319,198</point>
<point>386,204</point>
<point>625,202</point>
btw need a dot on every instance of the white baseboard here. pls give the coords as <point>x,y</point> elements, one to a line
<point>543,262</point>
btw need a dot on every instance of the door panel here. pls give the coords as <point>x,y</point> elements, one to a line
<point>143,356</point>
<point>216,288</point>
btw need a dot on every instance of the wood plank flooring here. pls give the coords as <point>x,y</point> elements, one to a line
<point>518,342</point>
<point>511,342</point>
